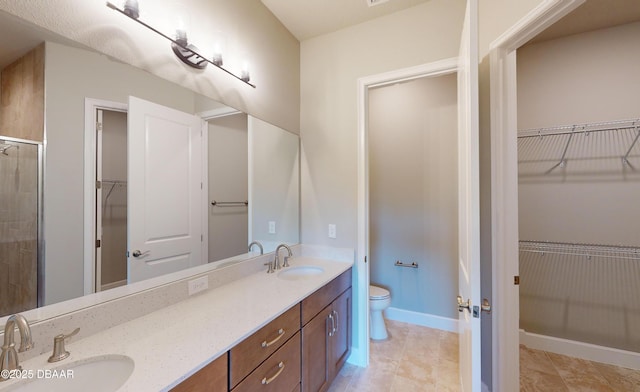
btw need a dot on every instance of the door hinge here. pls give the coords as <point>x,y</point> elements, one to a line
<point>516,280</point>
<point>98,126</point>
<point>98,184</point>
<point>98,243</point>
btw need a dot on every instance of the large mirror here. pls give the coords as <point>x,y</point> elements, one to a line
<point>64,227</point>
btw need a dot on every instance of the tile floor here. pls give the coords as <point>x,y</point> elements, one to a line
<point>414,359</point>
<point>417,359</point>
<point>542,371</point>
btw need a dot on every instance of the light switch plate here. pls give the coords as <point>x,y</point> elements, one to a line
<point>272,227</point>
<point>198,285</point>
<point>332,231</point>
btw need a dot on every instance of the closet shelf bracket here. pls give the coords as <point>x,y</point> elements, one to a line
<point>625,159</point>
<point>563,159</point>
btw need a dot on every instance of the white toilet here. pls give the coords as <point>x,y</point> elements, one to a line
<point>379,300</point>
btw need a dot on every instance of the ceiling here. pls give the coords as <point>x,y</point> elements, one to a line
<point>17,37</point>
<point>593,15</point>
<point>306,19</point>
<point>310,18</point>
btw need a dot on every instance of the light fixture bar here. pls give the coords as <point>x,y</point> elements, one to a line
<point>190,48</point>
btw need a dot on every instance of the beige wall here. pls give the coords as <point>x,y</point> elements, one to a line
<point>250,29</point>
<point>579,79</point>
<point>413,174</point>
<point>330,67</point>
<point>228,181</point>
<point>574,80</point>
<point>274,190</point>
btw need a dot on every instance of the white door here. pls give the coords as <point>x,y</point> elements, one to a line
<point>469,202</point>
<point>165,190</point>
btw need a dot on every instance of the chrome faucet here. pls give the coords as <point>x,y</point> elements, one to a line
<point>276,261</point>
<point>9,359</point>
<point>259,246</point>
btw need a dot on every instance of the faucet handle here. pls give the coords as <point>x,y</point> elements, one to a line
<point>286,261</point>
<point>59,352</point>
<point>270,270</point>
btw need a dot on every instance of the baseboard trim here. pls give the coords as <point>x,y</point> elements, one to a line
<point>424,319</point>
<point>591,352</point>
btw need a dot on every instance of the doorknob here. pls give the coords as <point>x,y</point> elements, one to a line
<point>486,306</point>
<point>463,304</point>
<point>138,253</point>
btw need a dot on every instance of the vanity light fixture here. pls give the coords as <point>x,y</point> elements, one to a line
<point>186,52</point>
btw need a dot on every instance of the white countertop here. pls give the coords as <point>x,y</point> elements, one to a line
<point>171,344</point>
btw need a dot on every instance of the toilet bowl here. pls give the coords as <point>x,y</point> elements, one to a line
<point>379,300</point>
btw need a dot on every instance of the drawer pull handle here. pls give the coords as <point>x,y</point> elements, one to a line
<point>337,323</point>
<point>266,344</point>
<point>266,381</point>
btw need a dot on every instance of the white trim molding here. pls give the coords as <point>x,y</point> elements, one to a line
<point>423,319</point>
<point>504,187</point>
<point>361,276</point>
<point>590,352</point>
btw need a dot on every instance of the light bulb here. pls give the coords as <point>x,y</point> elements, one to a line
<point>219,47</point>
<point>245,76</point>
<point>131,8</point>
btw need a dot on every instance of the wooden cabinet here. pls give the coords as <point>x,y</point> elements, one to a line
<point>340,340</point>
<point>252,351</point>
<point>211,378</point>
<point>280,372</point>
<point>326,337</point>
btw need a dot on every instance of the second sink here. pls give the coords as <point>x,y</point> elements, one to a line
<point>300,272</point>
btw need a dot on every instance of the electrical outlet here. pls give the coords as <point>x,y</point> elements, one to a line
<point>272,227</point>
<point>198,285</point>
<point>332,231</point>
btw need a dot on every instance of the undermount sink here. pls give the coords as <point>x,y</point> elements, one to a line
<point>96,374</point>
<point>300,272</point>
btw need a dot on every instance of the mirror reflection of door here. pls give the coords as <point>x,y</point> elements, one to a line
<point>111,199</point>
<point>228,186</point>
<point>165,190</point>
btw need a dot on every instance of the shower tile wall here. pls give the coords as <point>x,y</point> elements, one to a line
<point>18,229</point>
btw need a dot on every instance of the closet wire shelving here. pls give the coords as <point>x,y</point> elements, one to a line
<point>586,250</point>
<point>591,147</point>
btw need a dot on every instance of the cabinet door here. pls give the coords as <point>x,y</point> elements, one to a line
<point>341,339</point>
<point>315,352</point>
<point>211,378</point>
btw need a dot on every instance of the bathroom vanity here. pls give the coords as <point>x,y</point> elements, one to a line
<point>283,331</point>
<point>302,349</point>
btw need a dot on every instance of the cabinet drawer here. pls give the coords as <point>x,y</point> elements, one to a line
<point>280,372</point>
<point>244,357</point>
<point>317,301</point>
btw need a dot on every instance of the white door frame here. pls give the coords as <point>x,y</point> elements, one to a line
<point>90,107</point>
<point>504,187</point>
<point>360,354</point>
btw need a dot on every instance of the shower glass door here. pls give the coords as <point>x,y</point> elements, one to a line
<point>20,163</point>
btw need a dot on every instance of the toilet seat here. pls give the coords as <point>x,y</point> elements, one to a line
<point>377,293</point>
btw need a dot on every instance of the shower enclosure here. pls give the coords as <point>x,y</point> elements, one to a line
<point>20,224</point>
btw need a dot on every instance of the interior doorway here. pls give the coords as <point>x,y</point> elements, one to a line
<point>360,352</point>
<point>111,199</point>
